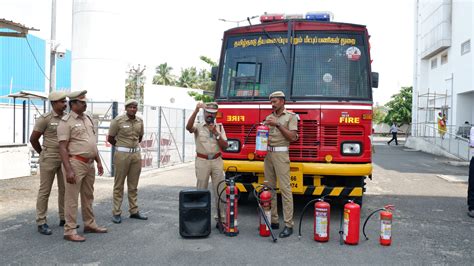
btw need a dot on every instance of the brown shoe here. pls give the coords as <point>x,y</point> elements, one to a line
<point>97,230</point>
<point>75,238</point>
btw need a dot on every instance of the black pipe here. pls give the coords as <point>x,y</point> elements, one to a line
<point>112,149</point>
<point>24,122</point>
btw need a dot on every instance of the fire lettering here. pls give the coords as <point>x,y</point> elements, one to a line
<point>235,118</point>
<point>349,120</point>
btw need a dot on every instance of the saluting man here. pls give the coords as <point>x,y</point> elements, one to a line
<point>125,133</point>
<point>283,130</point>
<point>78,149</point>
<point>209,138</point>
<point>49,161</point>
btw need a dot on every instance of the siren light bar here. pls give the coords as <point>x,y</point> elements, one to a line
<point>315,16</point>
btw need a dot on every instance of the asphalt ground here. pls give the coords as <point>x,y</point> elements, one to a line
<point>430,223</point>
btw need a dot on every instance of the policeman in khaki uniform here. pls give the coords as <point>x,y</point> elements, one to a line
<point>50,161</point>
<point>125,133</point>
<point>283,129</point>
<point>78,149</point>
<point>210,138</point>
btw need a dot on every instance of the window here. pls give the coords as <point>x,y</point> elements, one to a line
<point>444,58</point>
<point>434,63</point>
<point>465,47</point>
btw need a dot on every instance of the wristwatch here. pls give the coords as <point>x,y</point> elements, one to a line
<point>218,137</point>
<point>278,125</point>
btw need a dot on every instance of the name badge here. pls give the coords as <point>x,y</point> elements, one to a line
<point>54,124</point>
<point>126,126</point>
<point>78,125</point>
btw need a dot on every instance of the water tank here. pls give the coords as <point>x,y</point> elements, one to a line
<point>96,50</point>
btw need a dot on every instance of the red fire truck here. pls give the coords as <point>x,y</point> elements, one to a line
<point>324,69</point>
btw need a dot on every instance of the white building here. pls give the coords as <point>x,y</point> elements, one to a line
<point>443,78</point>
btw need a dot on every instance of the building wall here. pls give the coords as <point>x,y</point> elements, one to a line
<point>440,66</point>
<point>20,71</point>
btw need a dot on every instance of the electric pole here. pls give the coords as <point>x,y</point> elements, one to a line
<point>52,58</point>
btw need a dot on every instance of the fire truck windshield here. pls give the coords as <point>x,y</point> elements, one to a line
<point>316,65</point>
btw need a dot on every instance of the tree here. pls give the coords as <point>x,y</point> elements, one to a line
<point>379,113</point>
<point>201,97</point>
<point>163,75</point>
<point>134,85</point>
<point>208,60</point>
<point>399,108</point>
<point>188,78</point>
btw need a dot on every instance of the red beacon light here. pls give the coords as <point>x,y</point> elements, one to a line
<point>271,17</point>
<point>319,16</point>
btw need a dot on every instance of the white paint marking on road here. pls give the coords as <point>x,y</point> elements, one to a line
<point>11,228</point>
<point>454,178</point>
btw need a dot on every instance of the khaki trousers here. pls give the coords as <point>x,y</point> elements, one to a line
<point>50,166</point>
<point>127,166</point>
<point>85,177</point>
<point>215,169</point>
<point>277,167</point>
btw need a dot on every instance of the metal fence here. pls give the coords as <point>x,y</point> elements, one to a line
<point>451,142</point>
<point>165,142</point>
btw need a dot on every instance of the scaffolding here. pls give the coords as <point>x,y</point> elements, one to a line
<point>431,107</point>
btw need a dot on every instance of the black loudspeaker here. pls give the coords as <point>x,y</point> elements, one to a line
<point>194,213</point>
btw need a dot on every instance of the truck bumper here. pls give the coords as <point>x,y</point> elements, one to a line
<point>298,169</point>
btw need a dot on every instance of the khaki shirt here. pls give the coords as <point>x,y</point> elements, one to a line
<point>47,124</point>
<point>288,120</point>
<point>79,131</point>
<point>126,131</point>
<point>206,142</point>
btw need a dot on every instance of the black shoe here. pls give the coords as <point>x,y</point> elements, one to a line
<point>138,216</point>
<point>275,226</point>
<point>116,219</point>
<point>287,231</point>
<point>471,213</point>
<point>63,222</point>
<point>44,229</point>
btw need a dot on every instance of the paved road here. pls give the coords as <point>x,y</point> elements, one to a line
<point>430,226</point>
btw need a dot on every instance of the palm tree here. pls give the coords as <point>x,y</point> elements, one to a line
<point>163,75</point>
<point>188,78</point>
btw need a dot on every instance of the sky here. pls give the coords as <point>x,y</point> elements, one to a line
<point>178,32</point>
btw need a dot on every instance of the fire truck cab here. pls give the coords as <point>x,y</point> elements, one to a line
<point>324,69</point>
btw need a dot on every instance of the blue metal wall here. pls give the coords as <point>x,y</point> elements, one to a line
<point>19,70</point>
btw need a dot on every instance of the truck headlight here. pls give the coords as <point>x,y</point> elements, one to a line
<point>351,148</point>
<point>234,145</point>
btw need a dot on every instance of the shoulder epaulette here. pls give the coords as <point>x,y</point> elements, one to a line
<point>46,114</point>
<point>66,117</point>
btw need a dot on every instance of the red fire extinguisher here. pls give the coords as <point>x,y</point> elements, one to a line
<point>322,213</point>
<point>264,195</point>
<point>266,203</point>
<point>351,223</point>
<point>261,140</point>
<point>386,217</point>
<point>231,192</point>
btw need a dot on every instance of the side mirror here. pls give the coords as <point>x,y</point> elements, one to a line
<point>214,73</point>
<point>375,79</point>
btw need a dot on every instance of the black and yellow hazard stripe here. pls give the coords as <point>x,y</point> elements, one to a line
<point>314,191</point>
<point>334,191</point>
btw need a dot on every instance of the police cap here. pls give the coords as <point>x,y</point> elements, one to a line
<point>277,94</point>
<point>57,96</point>
<point>211,107</point>
<point>78,96</point>
<point>131,101</point>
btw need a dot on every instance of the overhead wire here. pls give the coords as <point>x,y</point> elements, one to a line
<point>36,60</point>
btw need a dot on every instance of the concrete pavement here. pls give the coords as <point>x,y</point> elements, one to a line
<point>430,223</point>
